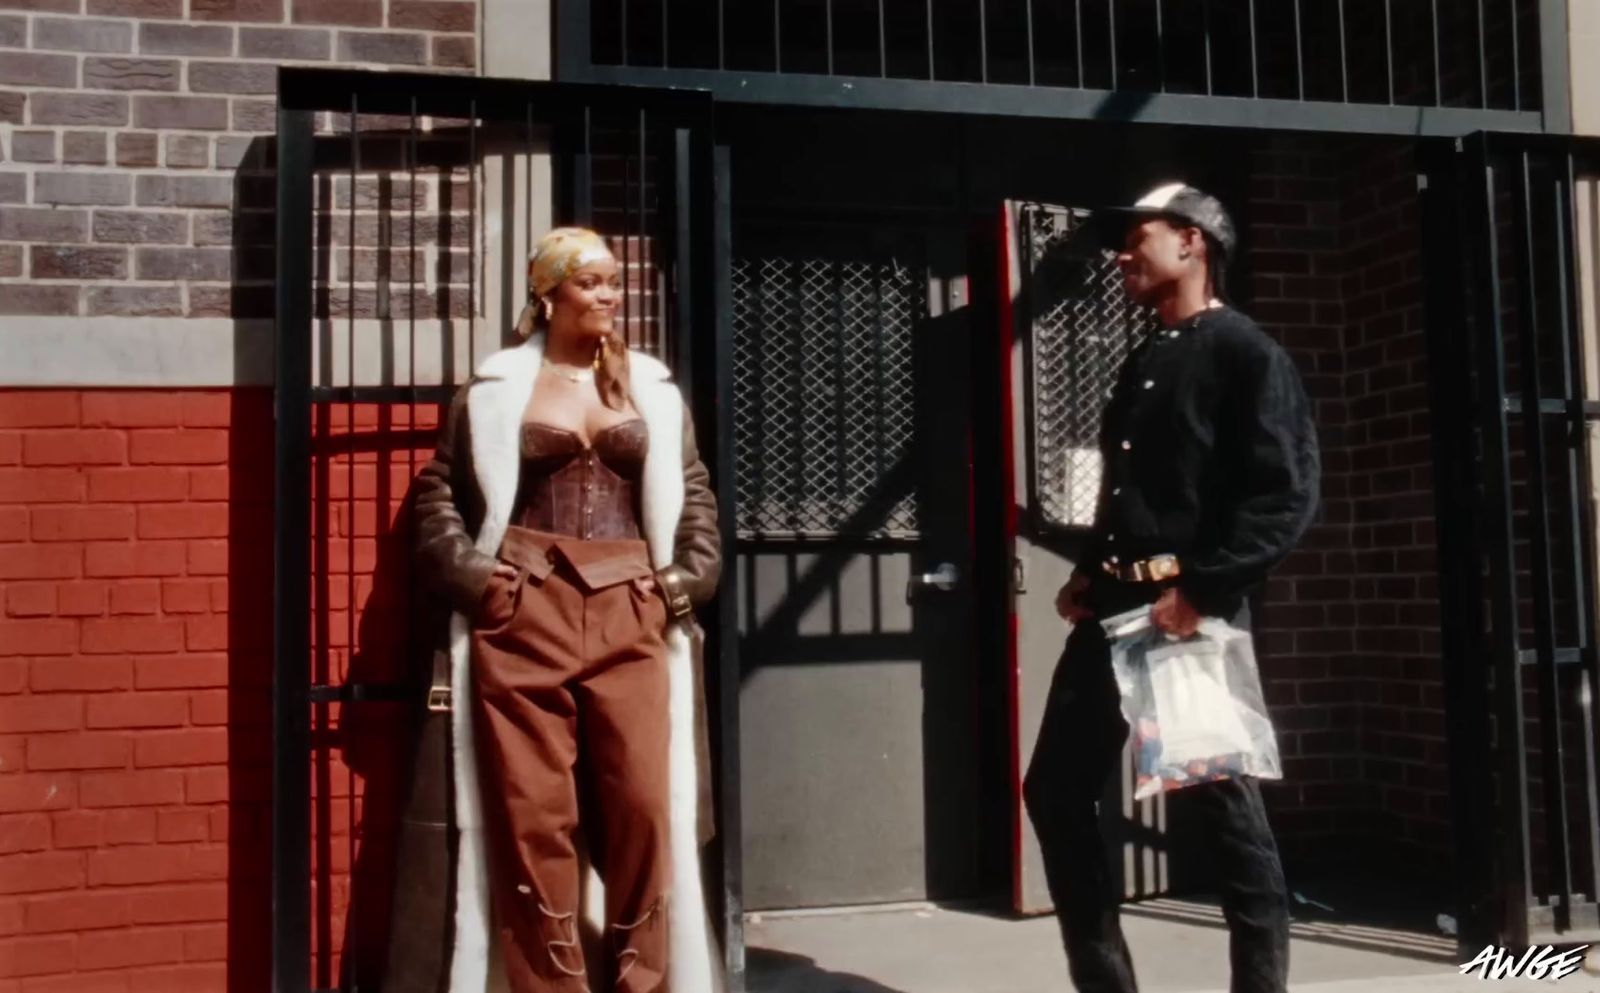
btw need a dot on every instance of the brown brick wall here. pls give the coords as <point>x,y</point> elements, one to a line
<point>1349,624</point>
<point>130,130</point>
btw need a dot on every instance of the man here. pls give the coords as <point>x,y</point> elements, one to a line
<point>1210,474</point>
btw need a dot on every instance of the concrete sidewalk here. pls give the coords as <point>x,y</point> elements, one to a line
<point>1178,946</point>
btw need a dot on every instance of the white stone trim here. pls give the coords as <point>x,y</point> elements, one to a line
<point>135,351</point>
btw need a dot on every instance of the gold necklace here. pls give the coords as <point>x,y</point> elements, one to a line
<point>582,376</point>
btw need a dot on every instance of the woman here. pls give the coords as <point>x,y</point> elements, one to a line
<point>568,519</point>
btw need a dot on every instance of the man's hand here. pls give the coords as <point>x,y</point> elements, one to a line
<point>1174,614</point>
<point>1069,602</point>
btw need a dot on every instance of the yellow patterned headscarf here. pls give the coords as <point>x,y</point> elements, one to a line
<point>561,253</point>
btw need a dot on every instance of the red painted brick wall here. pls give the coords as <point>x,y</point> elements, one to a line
<point>135,648</point>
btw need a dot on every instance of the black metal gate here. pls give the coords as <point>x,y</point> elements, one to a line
<point>406,204</point>
<point>1511,243</point>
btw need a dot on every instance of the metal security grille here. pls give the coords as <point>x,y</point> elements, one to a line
<point>1506,55</point>
<point>823,393</point>
<point>1083,326</point>
<point>1515,411</point>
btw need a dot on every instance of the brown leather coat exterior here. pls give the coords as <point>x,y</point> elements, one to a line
<point>449,511</point>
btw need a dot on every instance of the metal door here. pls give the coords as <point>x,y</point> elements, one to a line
<point>406,204</point>
<point>856,601</point>
<point>1067,326</point>
<point>1511,249</point>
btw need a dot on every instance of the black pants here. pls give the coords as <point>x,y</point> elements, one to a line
<point>1079,746</point>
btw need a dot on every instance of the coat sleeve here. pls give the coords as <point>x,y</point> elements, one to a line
<point>1273,472</point>
<point>445,501</point>
<point>691,579</point>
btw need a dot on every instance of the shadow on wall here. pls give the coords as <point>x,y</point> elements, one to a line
<point>250,691</point>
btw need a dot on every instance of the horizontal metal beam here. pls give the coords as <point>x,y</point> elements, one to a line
<point>1563,656</point>
<point>1591,408</point>
<point>510,100</point>
<point>930,96</point>
<point>383,394</point>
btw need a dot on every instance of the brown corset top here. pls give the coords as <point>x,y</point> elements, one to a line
<point>585,491</point>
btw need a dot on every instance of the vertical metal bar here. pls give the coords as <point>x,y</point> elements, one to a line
<point>324,842</point>
<point>1544,620</point>
<point>931,72</point>
<point>1299,51</point>
<point>411,256</point>
<point>1516,56</point>
<point>1205,8</point>
<point>1483,59</point>
<point>1555,70</point>
<point>827,8</point>
<point>777,35</point>
<point>527,195</point>
<point>983,40</point>
<point>714,310</point>
<point>1077,7</point>
<point>472,235</point>
<point>1255,60</point>
<point>883,43</point>
<point>1032,73</point>
<point>1438,70</point>
<point>685,274</point>
<point>647,329</point>
<point>1388,44</point>
<point>722,36</point>
<point>580,182</point>
<point>1344,57</point>
<point>1460,553</point>
<point>1580,510</point>
<point>1511,735</point>
<point>1161,49</point>
<point>291,673</point>
<point>1111,10</point>
<point>627,237</point>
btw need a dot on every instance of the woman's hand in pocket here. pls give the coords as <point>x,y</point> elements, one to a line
<point>500,579</point>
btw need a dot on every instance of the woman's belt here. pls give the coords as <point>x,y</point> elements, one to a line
<point>598,563</point>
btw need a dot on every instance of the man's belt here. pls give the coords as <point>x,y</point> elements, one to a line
<point>1150,570</point>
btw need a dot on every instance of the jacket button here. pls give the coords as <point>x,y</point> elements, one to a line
<point>1116,491</point>
<point>1127,446</point>
<point>1149,384</point>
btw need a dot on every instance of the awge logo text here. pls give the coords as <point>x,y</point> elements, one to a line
<point>1538,962</point>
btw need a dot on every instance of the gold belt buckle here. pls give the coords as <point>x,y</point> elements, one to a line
<point>1161,567</point>
<point>439,699</point>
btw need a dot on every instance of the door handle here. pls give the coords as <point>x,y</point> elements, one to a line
<point>944,577</point>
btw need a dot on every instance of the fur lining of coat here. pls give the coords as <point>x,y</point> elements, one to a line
<point>495,407</point>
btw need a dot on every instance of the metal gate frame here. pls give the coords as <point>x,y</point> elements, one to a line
<point>1475,304</point>
<point>694,208</point>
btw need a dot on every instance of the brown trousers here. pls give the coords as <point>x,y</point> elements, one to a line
<point>569,661</point>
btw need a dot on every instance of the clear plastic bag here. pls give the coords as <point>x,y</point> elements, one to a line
<point>1194,706</point>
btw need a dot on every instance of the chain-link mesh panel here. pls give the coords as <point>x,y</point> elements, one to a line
<point>823,394</point>
<point>1083,327</point>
